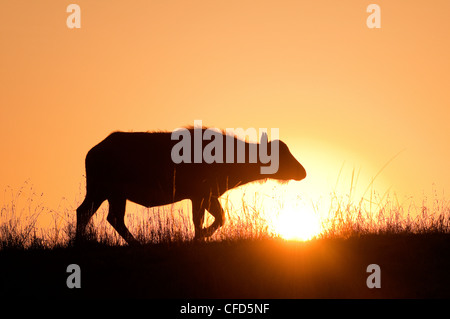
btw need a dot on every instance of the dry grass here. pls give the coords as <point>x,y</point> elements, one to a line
<point>387,216</point>
<point>21,212</point>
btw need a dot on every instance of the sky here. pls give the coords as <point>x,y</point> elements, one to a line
<point>343,96</point>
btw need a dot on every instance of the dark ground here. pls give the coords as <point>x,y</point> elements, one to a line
<point>412,266</point>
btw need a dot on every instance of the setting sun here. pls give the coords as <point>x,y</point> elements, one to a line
<point>297,222</point>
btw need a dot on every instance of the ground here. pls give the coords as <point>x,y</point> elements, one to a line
<point>412,266</point>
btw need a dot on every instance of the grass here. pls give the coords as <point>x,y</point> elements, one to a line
<point>245,259</point>
<point>388,217</point>
<point>22,211</point>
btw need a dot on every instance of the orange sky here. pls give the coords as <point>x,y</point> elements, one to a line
<point>338,91</point>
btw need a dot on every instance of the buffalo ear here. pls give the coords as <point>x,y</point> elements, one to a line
<point>264,138</point>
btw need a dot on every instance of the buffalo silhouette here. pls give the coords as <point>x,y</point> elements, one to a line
<point>139,167</point>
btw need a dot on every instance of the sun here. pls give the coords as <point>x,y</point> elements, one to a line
<point>297,221</point>
<point>285,209</point>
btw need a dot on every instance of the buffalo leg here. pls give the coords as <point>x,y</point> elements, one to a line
<point>198,217</point>
<point>116,217</point>
<point>217,211</point>
<point>84,213</point>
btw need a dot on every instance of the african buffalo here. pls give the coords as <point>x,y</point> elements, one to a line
<point>139,166</point>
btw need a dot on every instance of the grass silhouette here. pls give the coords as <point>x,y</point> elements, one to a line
<point>19,215</point>
<point>245,259</point>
